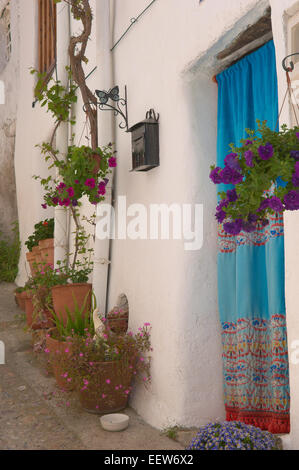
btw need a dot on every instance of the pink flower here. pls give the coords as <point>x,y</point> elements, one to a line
<point>90,183</point>
<point>71,192</point>
<point>108,381</point>
<point>102,188</point>
<point>104,396</point>
<point>85,382</point>
<point>147,324</point>
<point>112,162</point>
<point>81,354</point>
<point>127,392</point>
<point>67,350</point>
<point>47,351</point>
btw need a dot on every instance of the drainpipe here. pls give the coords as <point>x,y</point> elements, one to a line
<point>62,135</point>
<point>106,135</point>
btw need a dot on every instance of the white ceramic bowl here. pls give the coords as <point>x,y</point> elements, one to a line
<point>115,422</point>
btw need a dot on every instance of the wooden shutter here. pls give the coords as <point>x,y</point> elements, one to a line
<point>47,35</point>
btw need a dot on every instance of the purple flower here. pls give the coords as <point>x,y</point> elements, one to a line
<point>297,168</point>
<point>55,201</point>
<point>44,206</point>
<point>232,195</point>
<point>74,203</point>
<point>252,218</point>
<point>71,192</point>
<point>266,151</point>
<point>264,205</point>
<point>112,162</point>
<point>248,142</point>
<point>233,228</point>
<point>102,188</point>
<point>230,176</point>
<point>248,227</point>
<point>220,216</point>
<point>61,187</point>
<point>291,200</point>
<point>214,175</point>
<point>297,135</point>
<point>295,180</point>
<point>275,204</point>
<point>295,153</point>
<point>249,155</point>
<point>222,203</point>
<point>231,160</point>
<point>66,202</point>
<point>91,183</point>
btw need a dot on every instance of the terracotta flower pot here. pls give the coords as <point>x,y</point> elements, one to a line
<point>20,299</point>
<point>46,249</point>
<point>107,398</point>
<point>36,253</point>
<point>40,321</point>
<point>118,325</point>
<point>59,351</point>
<point>68,296</point>
<point>31,260</point>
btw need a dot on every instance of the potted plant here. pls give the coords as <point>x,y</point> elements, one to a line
<point>264,173</point>
<point>72,288</point>
<point>117,320</point>
<point>41,245</point>
<point>103,368</point>
<point>234,436</point>
<point>20,296</point>
<point>59,342</point>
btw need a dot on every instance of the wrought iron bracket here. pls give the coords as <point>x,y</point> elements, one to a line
<point>118,105</point>
<point>291,66</point>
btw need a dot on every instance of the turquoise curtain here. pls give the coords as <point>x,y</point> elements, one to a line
<point>251,266</point>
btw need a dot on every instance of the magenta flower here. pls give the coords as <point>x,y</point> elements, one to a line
<point>214,175</point>
<point>108,381</point>
<point>90,183</point>
<point>71,192</point>
<point>249,155</point>
<point>231,160</point>
<point>102,188</point>
<point>44,206</point>
<point>55,201</point>
<point>291,200</point>
<point>112,162</point>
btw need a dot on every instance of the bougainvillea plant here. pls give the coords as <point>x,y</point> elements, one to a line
<point>263,179</point>
<point>233,436</point>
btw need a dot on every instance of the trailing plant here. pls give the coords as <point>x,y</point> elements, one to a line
<point>10,255</point>
<point>42,231</point>
<point>233,436</point>
<point>129,353</point>
<point>263,174</point>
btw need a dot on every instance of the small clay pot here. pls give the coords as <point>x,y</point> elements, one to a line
<point>20,299</point>
<point>31,260</point>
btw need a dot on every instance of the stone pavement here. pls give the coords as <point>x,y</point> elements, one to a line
<point>33,414</point>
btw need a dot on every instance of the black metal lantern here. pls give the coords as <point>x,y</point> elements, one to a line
<point>145,143</point>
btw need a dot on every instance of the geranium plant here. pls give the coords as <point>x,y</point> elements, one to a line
<point>264,172</point>
<point>42,231</point>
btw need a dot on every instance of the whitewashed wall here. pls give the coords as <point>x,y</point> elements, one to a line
<point>166,60</point>
<point>9,75</point>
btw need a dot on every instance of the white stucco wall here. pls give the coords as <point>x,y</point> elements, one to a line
<point>165,60</point>
<point>9,76</point>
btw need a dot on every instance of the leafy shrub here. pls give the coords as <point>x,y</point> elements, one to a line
<point>42,231</point>
<point>233,436</point>
<point>9,256</point>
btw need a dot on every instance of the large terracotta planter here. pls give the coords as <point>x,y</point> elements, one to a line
<point>46,250</point>
<point>68,296</point>
<point>107,399</point>
<point>58,352</point>
<point>40,321</point>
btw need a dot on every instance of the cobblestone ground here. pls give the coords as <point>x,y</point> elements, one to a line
<point>33,415</point>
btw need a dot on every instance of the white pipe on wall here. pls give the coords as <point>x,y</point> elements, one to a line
<point>106,135</point>
<point>62,135</point>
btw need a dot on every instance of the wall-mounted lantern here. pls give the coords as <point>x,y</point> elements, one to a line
<point>145,143</point>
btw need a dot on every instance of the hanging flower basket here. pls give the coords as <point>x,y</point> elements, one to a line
<point>263,179</point>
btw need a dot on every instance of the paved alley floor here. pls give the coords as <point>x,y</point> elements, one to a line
<point>33,414</point>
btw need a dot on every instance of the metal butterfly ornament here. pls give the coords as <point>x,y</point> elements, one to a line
<point>104,96</point>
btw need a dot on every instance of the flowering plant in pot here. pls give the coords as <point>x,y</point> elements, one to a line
<point>59,342</point>
<point>117,320</point>
<point>263,175</point>
<point>234,436</point>
<point>41,244</point>
<point>71,287</point>
<point>103,368</point>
